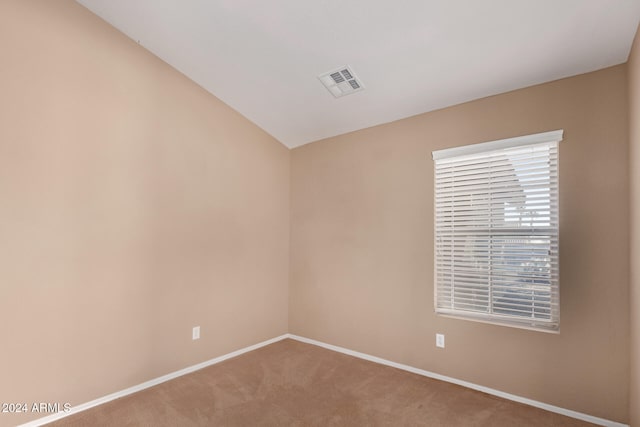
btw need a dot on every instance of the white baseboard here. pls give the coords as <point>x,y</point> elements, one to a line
<point>508,396</point>
<point>156,381</point>
<point>99,401</point>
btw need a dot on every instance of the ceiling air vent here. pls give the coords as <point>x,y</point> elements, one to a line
<point>341,82</point>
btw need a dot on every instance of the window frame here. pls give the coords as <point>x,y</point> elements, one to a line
<point>491,149</point>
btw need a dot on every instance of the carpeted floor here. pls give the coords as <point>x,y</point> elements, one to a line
<point>295,384</point>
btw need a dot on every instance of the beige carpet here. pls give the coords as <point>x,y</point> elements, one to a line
<point>294,384</point>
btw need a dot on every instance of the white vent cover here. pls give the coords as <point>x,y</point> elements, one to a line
<point>341,82</point>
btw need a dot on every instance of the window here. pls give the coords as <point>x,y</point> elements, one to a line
<point>496,231</point>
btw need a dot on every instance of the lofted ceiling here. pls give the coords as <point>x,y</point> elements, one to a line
<point>263,57</point>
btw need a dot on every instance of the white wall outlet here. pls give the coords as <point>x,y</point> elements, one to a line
<point>195,334</point>
<point>440,340</point>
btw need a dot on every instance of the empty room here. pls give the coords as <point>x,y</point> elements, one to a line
<point>290,213</point>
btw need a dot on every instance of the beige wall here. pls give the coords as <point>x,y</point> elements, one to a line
<point>362,245</point>
<point>634,137</point>
<point>133,206</point>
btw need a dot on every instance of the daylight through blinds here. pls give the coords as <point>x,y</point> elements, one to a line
<point>496,229</point>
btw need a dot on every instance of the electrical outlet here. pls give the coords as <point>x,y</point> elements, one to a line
<point>195,334</point>
<point>440,340</point>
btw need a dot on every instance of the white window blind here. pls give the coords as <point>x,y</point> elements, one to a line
<point>496,231</point>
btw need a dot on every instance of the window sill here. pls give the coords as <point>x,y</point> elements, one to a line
<point>507,323</point>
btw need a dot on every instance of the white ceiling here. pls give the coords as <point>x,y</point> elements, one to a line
<point>262,57</point>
